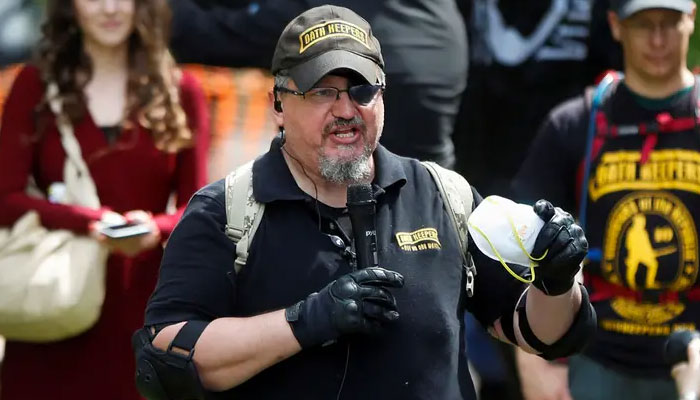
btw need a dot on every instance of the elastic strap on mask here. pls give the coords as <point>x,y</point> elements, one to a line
<point>533,260</point>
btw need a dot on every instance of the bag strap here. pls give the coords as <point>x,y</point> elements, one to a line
<point>598,97</point>
<point>76,175</point>
<point>458,199</point>
<point>243,212</point>
<point>599,128</point>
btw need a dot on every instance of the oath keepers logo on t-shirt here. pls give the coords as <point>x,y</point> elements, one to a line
<point>422,239</point>
<point>335,28</point>
<point>674,169</point>
<point>651,243</point>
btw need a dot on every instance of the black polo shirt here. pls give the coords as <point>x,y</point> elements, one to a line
<point>292,255</point>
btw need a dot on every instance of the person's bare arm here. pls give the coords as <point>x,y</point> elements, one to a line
<point>541,379</point>
<point>549,316</point>
<point>557,319</point>
<point>232,350</point>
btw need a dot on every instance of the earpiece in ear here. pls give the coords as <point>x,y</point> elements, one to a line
<point>282,136</point>
<point>277,103</point>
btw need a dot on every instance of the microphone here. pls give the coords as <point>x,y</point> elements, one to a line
<point>361,207</point>
<point>676,349</point>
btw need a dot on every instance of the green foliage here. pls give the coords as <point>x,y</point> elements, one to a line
<point>694,51</point>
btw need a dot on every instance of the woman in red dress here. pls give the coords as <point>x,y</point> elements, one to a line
<point>142,126</point>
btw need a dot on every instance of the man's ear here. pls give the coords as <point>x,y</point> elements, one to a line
<point>692,18</point>
<point>614,23</point>
<point>277,112</point>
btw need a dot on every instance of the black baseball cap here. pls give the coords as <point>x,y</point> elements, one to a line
<point>324,39</point>
<point>625,8</point>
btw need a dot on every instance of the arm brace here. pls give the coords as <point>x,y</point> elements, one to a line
<point>580,332</point>
<point>168,375</point>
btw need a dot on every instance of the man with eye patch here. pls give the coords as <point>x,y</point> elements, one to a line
<point>300,319</point>
<point>627,156</point>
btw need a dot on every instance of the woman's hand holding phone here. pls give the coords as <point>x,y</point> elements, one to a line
<point>139,232</point>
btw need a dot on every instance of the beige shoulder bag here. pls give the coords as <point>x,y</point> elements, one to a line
<point>52,281</point>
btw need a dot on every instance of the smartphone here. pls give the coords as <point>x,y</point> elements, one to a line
<point>124,231</point>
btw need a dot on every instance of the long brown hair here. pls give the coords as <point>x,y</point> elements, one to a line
<point>152,88</point>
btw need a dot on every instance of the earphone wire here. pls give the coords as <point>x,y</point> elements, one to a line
<point>318,213</point>
<point>345,373</point>
<point>303,170</point>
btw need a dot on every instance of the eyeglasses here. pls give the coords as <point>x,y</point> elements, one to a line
<point>360,94</point>
<point>642,27</point>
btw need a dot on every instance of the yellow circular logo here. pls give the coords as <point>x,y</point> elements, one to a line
<point>650,244</point>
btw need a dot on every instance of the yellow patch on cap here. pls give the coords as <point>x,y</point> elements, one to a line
<point>330,29</point>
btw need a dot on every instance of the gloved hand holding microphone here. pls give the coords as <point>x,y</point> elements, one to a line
<point>358,302</point>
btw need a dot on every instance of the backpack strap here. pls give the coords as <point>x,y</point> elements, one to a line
<point>80,187</point>
<point>697,101</point>
<point>243,212</point>
<point>600,128</point>
<point>599,96</point>
<point>458,199</point>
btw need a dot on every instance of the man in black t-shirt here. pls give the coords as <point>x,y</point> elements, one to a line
<point>635,178</point>
<point>300,320</point>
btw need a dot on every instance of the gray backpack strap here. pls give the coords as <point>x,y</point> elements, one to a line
<point>458,199</point>
<point>243,212</point>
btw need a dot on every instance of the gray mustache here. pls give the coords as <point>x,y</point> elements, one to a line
<point>341,123</point>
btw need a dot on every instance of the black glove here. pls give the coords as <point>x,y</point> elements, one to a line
<point>358,302</point>
<point>566,245</point>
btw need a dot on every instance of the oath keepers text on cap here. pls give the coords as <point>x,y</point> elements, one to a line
<point>336,28</point>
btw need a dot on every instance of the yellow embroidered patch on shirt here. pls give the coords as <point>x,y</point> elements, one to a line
<point>422,239</point>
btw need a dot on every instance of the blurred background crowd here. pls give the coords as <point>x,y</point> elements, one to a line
<point>559,53</point>
<point>503,66</point>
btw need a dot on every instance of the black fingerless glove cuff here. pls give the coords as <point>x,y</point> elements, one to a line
<point>554,285</point>
<point>310,323</point>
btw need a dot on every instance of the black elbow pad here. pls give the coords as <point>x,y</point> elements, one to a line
<point>582,330</point>
<point>168,375</point>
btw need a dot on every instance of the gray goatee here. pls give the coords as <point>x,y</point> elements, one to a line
<point>346,171</point>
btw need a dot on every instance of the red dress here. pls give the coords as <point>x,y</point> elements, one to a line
<point>130,174</point>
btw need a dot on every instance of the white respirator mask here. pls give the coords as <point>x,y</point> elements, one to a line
<point>506,231</point>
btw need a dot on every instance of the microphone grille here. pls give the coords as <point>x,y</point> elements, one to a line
<point>360,193</point>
